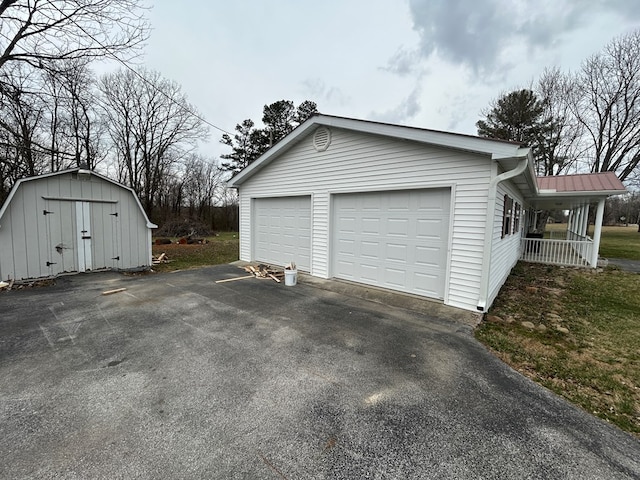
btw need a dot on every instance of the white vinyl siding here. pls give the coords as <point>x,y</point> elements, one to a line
<point>359,162</point>
<point>282,231</point>
<point>505,250</point>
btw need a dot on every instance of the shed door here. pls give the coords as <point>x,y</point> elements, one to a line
<point>105,241</point>
<point>397,240</point>
<point>61,238</point>
<point>282,231</point>
<point>83,233</point>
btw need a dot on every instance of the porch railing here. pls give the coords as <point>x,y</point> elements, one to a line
<point>557,252</point>
<point>567,235</point>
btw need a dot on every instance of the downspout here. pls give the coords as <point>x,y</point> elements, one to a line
<point>488,229</point>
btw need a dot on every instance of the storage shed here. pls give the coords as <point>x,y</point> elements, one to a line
<point>430,213</point>
<point>72,221</point>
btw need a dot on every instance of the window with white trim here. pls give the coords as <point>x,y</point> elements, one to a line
<point>511,216</point>
<point>507,215</point>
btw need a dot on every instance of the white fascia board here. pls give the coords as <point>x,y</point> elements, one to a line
<point>286,143</point>
<point>529,174</point>
<point>546,194</point>
<point>148,222</point>
<point>495,148</point>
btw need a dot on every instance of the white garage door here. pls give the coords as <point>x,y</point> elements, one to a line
<point>395,240</point>
<point>283,231</point>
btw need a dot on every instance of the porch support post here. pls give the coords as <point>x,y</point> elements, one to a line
<point>585,220</point>
<point>597,232</point>
<point>580,221</point>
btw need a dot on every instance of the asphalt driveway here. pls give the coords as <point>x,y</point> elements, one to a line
<point>179,377</point>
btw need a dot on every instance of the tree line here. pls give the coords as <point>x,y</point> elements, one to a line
<point>139,128</point>
<point>582,121</point>
<point>132,124</point>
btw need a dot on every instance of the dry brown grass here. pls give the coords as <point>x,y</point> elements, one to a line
<point>586,344</point>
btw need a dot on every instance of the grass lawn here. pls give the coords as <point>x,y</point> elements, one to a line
<point>615,242</point>
<point>220,249</point>
<point>586,342</point>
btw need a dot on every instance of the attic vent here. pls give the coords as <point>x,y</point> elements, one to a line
<point>321,139</point>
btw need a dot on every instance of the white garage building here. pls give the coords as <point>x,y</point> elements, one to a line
<point>391,206</point>
<point>71,221</point>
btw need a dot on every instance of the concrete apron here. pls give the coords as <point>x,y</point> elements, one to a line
<point>392,298</point>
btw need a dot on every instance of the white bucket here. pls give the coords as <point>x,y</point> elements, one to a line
<point>290,277</point>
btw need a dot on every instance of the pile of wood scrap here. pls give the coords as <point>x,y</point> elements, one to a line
<point>6,285</point>
<point>258,271</point>
<point>158,259</point>
<point>265,271</point>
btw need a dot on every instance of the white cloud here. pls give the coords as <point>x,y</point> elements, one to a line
<point>406,110</point>
<point>477,34</point>
<point>317,89</point>
<point>429,63</point>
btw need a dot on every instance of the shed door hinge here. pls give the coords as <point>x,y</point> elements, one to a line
<point>114,214</point>
<point>50,263</point>
<point>116,258</point>
<point>46,212</point>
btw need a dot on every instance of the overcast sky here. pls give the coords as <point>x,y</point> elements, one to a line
<point>426,63</point>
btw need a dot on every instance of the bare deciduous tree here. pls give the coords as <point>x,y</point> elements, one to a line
<point>606,102</point>
<point>202,179</point>
<point>21,117</point>
<point>559,142</point>
<point>75,129</point>
<point>151,126</point>
<point>40,31</point>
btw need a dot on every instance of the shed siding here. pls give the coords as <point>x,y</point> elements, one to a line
<point>358,162</point>
<point>505,251</point>
<point>24,229</point>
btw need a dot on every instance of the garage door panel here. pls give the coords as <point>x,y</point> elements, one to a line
<point>433,228</point>
<point>396,252</point>
<point>428,285</point>
<point>346,269</point>
<point>368,272</point>
<point>369,226</point>
<point>346,247</point>
<point>368,249</point>
<point>395,239</point>
<point>428,256</point>
<point>283,231</point>
<point>395,278</point>
<point>398,227</point>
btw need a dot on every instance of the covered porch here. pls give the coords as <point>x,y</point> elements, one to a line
<point>577,194</point>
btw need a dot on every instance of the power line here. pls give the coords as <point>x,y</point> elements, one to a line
<point>141,77</point>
